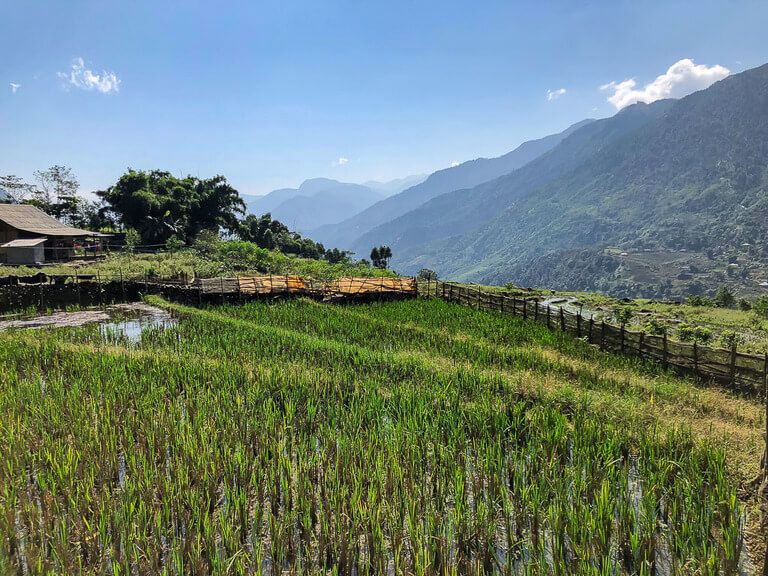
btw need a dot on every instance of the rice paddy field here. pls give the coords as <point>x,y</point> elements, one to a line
<point>411,437</point>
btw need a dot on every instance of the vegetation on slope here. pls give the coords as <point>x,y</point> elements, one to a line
<point>415,437</point>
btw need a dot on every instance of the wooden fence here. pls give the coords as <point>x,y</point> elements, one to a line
<point>743,372</point>
<point>290,284</point>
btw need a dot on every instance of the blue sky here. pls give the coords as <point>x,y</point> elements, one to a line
<point>270,93</point>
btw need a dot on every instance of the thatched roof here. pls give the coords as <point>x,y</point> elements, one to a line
<point>33,220</point>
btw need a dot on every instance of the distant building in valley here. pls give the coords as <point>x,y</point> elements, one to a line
<point>30,236</point>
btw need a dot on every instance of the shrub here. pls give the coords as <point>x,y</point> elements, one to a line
<point>760,306</point>
<point>730,338</point>
<point>725,298</point>
<point>656,326</point>
<point>689,333</point>
<point>427,274</point>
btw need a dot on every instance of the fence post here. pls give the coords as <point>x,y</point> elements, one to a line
<point>221,283</point>
<point>578,324</point>
<point>602,335</point>
<point>525,308</point>
<point>536,310</point>
<point>477,295</point>
<point>622,338</point>
<point>765,457</point>
<point>664,353</point>
<point>122,285</point>
<point>548,315</point>
<point>562,320</point>
<point>98,285</point>
<point>77,283</point>
<point>591,327</point>
<point>733,364</point>
<point>42,298</point>
<point>443,290</point>
<point>514,306</point>
<point>640,344</point>
<point>502,303</point>
<point>695,359</point>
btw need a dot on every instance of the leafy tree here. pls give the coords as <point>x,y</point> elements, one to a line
<point>380,256</point>
<point>689,333</point>
<point>623,315</point>
<point>336,256</point>
<point>696,300</point>
<point>427,274</point>
<point>760,306</point>
<point>730,338</point>
<point>274,235</point>
<point>656,327</point>
<point>744,305</point>
<point>13,190</point>
<point>725,298</point>
<point>159,205</point>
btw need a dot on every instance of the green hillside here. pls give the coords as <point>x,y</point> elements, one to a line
<point>691,178</point>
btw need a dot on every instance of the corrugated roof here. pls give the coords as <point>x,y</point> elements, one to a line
<point>24,243</point>
<point>31,219</point>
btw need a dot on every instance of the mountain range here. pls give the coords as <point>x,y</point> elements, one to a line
<point>661,199</point>
<point>321,201</point>
<point>347,233</point>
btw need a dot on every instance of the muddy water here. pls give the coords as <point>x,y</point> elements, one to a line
<point>124,321</point>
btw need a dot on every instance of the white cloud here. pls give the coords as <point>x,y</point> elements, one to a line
<point>555,94</point>
<point>15,87</point>
<point>341,161</point>
<point>455,163</point>
<point>81,77</point>
<point>682,78</point>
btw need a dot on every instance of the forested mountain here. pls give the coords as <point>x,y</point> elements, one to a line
<point>597,211</point>
<point>468,174</point>
<point>316,202</point>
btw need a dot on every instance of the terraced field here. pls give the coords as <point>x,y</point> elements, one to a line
<point>413,437</point>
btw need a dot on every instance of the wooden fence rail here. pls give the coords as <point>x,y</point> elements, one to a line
<point>743,372</point>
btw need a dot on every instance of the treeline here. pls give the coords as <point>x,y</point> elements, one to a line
<point>159,209</point>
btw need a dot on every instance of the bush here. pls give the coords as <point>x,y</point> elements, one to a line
<point>689,333</point>
<point>760,306</point>
<point>725,298</point>
<point>696,300</point>
<point>623,315</point>
<point>730,338</point>
<point>427,274</point>
<point>656,327</point>
<point>744,305</point>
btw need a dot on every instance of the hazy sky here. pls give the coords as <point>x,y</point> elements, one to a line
<point>270,93</point>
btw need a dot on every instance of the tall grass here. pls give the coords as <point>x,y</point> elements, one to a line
<point>301,439</point>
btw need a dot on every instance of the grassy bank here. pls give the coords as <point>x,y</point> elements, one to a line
<point>419,437</point>
<point>219,259</point>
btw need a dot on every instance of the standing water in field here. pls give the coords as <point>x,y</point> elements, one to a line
<point>122,323</point>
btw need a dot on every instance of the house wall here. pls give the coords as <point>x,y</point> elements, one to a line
<point>24,255</point>
<point>7,233</point>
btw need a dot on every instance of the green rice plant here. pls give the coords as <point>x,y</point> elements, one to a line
<point>408,438</point>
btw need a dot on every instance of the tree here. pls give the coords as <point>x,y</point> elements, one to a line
<point>159,205</point>
<point>724,298</point>
<point>380,256</point>
<point>427,274</point>
<point>13,190</point>
<point>56,192</point>
<point>760,306</point>
<point>336,256</point>
<point>274,235</point>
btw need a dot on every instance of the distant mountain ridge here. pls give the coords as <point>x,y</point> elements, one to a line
<point>689,175</point>
<point>347,232</point>
<point>316,202</point>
